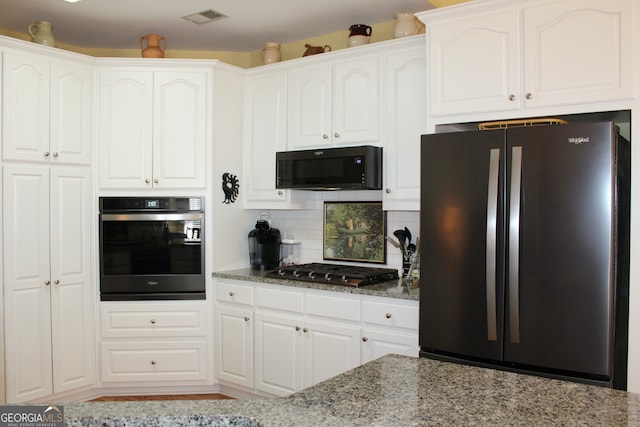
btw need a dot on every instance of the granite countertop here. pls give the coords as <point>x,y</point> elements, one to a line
<point>390,391</point>
<point>400,289</point>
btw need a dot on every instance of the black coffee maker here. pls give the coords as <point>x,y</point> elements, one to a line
<point>264,244</point>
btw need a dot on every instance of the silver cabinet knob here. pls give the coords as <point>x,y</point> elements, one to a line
<point>47,282</point>
<point>147,180</point>
<point>512,97</point>
<point>55,154</point>
<point>156,181</point>
<point>246,318</point>
<point>388,191</point>
<point>280,193</point>
<point>336,135</point>
<point>388,315</point>
<point>305,330</point>
<point>297,328</point>
<point>365,339</point>
<point>529,95</point>
<point>325,136</point>
<point>153,362</point>
<point>153,321</point>
<point>56,282</point>
<point>231,293</point>
<point>46,154</point>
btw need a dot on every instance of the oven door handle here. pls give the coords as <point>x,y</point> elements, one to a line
<point>152,217</point>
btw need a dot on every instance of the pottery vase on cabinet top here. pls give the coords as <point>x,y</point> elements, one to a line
<point>154,48</point>
<point>406,25</point>
<point>41,33</point>
<point>270,53</point>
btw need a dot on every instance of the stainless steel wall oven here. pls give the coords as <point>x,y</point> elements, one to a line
<point>151,248</point>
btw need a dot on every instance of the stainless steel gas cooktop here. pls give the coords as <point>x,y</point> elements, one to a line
<point>335,274</point>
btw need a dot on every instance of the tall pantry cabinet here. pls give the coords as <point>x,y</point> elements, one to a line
<point>46,195</point>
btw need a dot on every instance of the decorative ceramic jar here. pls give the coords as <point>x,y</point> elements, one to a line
<point>270,53</point>
<point>406,25</point>
<point>359,34</point>
<point>153,49</point>
<point>41,33</point>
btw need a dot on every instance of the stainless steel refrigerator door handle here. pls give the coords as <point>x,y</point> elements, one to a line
<point>514,245</point>
<point>492,239</point>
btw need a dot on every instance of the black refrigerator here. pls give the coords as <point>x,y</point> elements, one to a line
<point>524,257</point>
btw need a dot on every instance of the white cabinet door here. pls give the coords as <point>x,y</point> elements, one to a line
<point>265,134</point>
<point>376,343</point>
<point>406,116</point>
<point>329,349</point>
<point>578,51</point>
<point>540,55</point>
<point>311,107</point>
<point>180,125</point>
<point>234,345</point>
<point>26,82</point>
<point>125,129</point>
<point>47,110</point>
<point>279,353</point>
<point>71,113</point>
<point>47,280</point>
<point>475,64</point>
<point>356,101</point>
<point>27,283</point>
<point>334,104</point>
<point>71,287</point>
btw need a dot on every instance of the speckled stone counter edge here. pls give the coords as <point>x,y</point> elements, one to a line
<point>398,289</point>
<point>392,391</point>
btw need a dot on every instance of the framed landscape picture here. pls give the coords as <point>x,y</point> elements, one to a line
<point>354,231</point>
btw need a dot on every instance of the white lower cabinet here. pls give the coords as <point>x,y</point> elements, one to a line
<point>49,337</point>
<point>278,340</point>
<point>234,345</point>
<point>154,342</point>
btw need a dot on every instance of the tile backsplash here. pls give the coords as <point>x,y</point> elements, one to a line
<point>306,225</point>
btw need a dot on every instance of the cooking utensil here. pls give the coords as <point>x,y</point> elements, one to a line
<point>402,237</point>
<point>408,234</point>
<point>392,241</point>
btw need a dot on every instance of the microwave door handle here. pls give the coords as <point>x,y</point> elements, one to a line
<point>514,244</point>
<point>491,251</point>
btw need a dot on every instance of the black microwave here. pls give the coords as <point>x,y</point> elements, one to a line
<point>345,168</point>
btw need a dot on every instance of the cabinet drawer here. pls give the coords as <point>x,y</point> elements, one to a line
<point>153,320</point>
<point>233,292</point>
<point>279,300</point>
<point>388,314</point>
<point>333,307</point>
<point>154,361</point>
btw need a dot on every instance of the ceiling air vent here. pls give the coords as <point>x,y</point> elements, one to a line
<point>204,16</point>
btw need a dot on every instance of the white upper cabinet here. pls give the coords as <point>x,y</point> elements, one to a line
<point>153,128</point>
<point>335,103</point>
<point>265,133</point>
<point>406,119</point>
<point>47,107</point>
<point>506,55</point>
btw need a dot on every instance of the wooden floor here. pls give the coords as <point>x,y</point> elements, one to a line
<point>212,396</point>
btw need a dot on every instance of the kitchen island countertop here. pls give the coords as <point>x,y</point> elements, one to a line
<point>391,391</point>
<point>400,289</point>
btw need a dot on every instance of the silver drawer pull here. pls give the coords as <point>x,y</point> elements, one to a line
<point>388,315</point>
<point>153,321</point>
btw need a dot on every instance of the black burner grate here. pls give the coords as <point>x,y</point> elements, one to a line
<point>336,274</point>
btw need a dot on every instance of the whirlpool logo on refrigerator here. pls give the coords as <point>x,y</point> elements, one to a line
<point>578,140</point>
